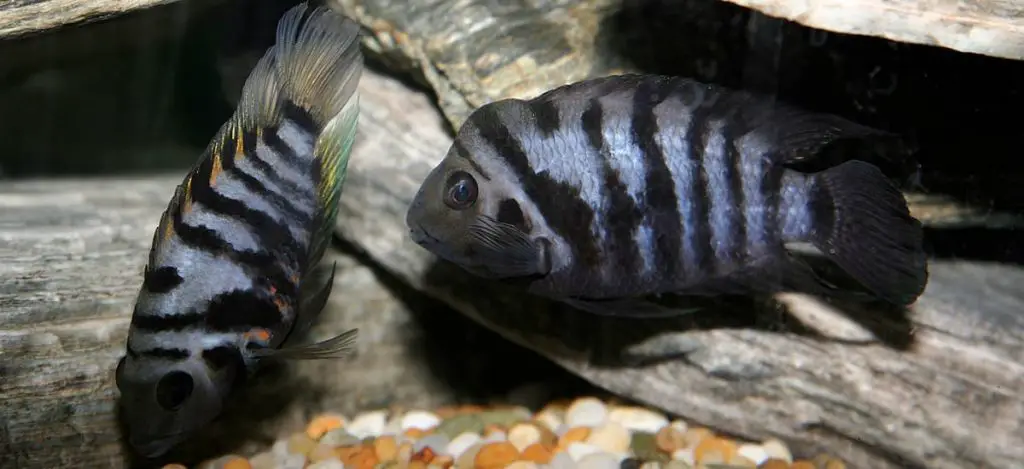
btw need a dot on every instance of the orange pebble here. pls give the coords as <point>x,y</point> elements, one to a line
<point>347,454</point>
<point>366,458</point>
<point>237,463</point>
<point>695,435</point>
<point>802,465</point>
<point>174,466</point>
<point>835,464</point>
<point>668,439</point>
<point>495,455</point>
<point>709,446</point>
<point>538,453</point>
<point>323,424</point>
<point>774,464</point>
<point>417,465</point>
<point>573,435</point>
<point>443,461</point>
<point>446,412</point>
<point>386,448</point>
<point>491,428</point>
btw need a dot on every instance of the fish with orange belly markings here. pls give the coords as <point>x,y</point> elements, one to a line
<point>234,274</point>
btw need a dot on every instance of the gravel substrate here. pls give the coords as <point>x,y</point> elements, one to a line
<point>585,433</point>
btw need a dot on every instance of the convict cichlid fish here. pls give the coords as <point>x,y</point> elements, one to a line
<point>235,267</point>
<point>604,191</point>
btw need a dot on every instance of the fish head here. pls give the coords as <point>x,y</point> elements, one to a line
<point>165,401</point>
<point>476,221</point>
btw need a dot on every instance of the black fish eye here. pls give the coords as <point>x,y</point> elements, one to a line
<point>174,389</point>
<point>462,191</point>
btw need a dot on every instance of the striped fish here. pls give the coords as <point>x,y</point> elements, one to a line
<point>605,191</point>
<point>235,268</point>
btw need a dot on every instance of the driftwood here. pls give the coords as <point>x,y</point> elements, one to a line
<point>937,387</point>
<point>21,17</point>
<point>71,257</point>
<point>981,27</point>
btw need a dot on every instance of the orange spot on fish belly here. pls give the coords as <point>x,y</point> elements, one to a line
<point>239,144</point>
<point>186,205</point>
<point>258,334</point>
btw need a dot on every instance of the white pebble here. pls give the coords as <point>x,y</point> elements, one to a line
<point>368,424</point>
<point>679,426</point>
<point>393,427</point>
<point>685,455</point>
<point>562,461</point>
<point>438,442</point>
<point>638,419</point>
<point>580,450</point>
<point>586,412</point>
<point>755,453</point>
<point>495,437</point>
<point>549,419</point>
<point>651,465</point>
<point>523,435</point>
<point>292,461</point>
<point>598,461</point>
<point>611,437</point>
<point>327,464</point>
<point>461,443</point>
<point>420,419</point>
<point>777,449</point>
<point>677,464</point>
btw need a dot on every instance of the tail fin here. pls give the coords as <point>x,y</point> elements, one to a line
<point>314,66</point>
<point>862,223</point>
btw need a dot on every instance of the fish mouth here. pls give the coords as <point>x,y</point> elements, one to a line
<point>421,236</point>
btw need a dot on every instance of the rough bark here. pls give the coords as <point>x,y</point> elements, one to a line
<point>979,26</point>
<point>19,17</point>
<point>933,387</point>
<point>71,257</point>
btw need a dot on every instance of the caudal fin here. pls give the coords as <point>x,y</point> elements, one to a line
<point>862,223</point>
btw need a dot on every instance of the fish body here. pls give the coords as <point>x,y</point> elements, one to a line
<point>632,185</point>
<point>234,268</point>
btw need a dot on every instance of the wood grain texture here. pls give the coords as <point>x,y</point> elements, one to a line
<point>988,27</point>
<point>18,17</point>
<point>937,388</point>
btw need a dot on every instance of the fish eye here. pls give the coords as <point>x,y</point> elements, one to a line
<point>462,191</point>
<point>174,389</point>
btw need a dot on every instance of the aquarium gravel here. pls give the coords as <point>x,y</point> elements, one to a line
<point>584,433</point>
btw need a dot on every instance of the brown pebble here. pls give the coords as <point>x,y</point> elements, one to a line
<point>538,453</point>
<point>417,465</point>
<point>347,454</point>
<point>573,435</point>
<point>426,455</point>
<point>491,429</point>
<point>774,464</point>
<point>496,455</point>
<point>386,448</point>
<point>669,439</point>
<point>802,464</point>
<point>174,466</point>
<point>835,464</point>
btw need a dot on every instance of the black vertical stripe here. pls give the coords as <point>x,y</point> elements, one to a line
<point>659,194</point>
<point>273,236</point>
<point>161,279</point>
<point>285,153</point>
<point>546,114</point>
<point>623,217</point>
<point>559,203</point>
<point>738,238</point>
<point>697,138</point>
<point>167,322</point>
<point>254,185</point>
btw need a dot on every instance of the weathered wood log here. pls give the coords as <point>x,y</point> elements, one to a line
<point>71,257</point>
<point>936,387</point>
<point>20,17</point>
<point>980,27</point>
